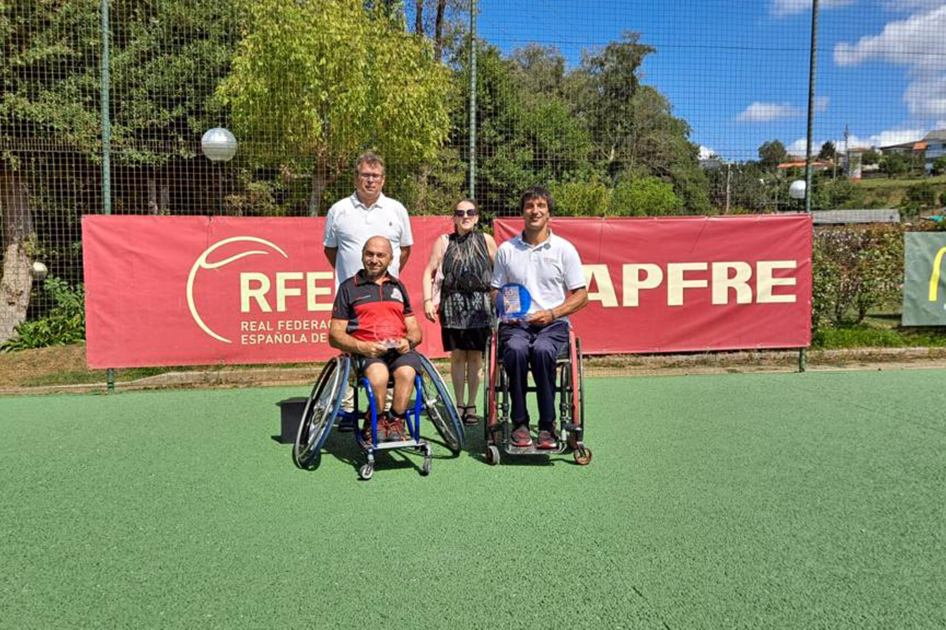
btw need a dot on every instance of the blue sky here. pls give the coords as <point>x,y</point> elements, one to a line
<point>737,70</point>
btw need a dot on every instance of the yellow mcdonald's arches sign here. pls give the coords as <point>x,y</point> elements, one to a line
<point>934,276</point>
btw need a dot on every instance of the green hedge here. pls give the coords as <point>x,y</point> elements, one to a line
<point>854,270</point>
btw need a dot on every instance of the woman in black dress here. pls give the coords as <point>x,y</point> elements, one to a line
<point>462,263</point>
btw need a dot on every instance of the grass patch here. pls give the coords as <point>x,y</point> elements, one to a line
<point>867,336</point>
<point>885,183</point>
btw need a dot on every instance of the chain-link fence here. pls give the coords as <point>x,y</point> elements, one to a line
<point>620,108</point>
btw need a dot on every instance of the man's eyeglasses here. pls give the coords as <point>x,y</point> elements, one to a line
<point>370,176</point>
<point>464,213</point>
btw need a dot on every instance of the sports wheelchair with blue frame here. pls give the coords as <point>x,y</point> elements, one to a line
<point>571,396</point>
<point>324,410</point>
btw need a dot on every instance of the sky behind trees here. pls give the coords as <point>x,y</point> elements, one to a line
<point>737,71</point>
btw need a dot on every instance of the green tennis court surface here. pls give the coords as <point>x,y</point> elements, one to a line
<point>811,500</point>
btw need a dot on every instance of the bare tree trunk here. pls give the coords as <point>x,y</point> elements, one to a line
<point>438,29</point>
<point>17,279</point>
<point>152,195</point>
<point>164,198</point>
<point>419,17</point>
<point>320,182</point>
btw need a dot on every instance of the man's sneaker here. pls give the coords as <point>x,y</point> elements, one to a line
<point>366,429</point>
<point>521,438</point>
<point>547,440</point>
<point>395,430</point>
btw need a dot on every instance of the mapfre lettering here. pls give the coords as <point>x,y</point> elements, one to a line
<point>728,282</point>
<point>264,292</point>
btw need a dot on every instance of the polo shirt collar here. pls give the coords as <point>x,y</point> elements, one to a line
<point>546,243</point>
<point>360,278</point>
<point>358,204</point>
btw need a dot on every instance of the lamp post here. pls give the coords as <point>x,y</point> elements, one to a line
<point>219,145</point>
<point>797,190</point>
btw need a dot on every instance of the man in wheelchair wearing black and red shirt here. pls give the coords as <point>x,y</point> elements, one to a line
<point>550,269</point>
<point>372,320</point>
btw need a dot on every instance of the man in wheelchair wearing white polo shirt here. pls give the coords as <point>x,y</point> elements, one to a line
<point>549,267</point>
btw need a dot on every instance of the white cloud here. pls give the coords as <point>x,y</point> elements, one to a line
<point>821,103</point>
<point>767,112</point>
<point>882,139</point>
<point>917,42</point>
<point>798,147</point>
<point>780,8</point>
<point>912,5</point>
<point>706,152</point>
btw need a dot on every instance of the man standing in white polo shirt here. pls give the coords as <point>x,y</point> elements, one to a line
<point>549,267</point>
<point>353,220</point>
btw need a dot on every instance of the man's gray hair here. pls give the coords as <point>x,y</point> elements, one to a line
<point>369,157</point>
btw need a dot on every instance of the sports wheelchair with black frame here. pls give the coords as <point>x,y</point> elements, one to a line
<point>324,410</point>
<point>571,396</point>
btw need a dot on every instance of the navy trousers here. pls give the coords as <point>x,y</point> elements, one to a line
<point>524,346</point>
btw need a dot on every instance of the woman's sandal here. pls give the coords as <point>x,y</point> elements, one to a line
<point>469,419</point>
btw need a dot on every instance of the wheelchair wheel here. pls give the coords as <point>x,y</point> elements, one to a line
<point>320,412</point>
<point>582,455</point>
<point>489,389</point>
<point>440,407</point>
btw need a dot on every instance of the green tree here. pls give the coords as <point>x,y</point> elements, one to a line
<point>527,132</point>
<point>895,165</point>
<point>828,151</point>
<point>166,57</point>
<point>870,157</point>
<point>939,165</point>
<point>633,129</point>
<point>314,83</point>
<point>647,196</point>
<point>772,153</point>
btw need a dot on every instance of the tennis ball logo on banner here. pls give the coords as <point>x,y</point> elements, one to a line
<point>263,297</point>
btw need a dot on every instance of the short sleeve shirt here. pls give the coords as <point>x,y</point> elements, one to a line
<point>375,312</point>
<point>349,224</point>
<point>546,270</point>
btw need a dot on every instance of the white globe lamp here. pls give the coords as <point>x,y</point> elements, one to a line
<point>39,271</point>
<point>797,189</point>
<point>218,144</point>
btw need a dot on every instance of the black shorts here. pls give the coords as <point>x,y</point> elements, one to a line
<point>393,360</point>
<point>464,339</point>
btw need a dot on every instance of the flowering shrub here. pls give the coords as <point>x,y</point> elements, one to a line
<point>854,270</point>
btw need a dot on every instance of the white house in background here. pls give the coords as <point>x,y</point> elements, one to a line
<point>935,142</point>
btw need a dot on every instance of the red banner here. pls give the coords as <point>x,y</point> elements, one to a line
<point>202,290</point>
<point>690,283</point>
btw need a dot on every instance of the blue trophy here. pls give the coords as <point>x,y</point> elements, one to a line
<point>513,302</point>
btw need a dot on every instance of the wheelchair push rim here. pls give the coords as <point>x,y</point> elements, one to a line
<point>440,407</point>
<point>320,411</point>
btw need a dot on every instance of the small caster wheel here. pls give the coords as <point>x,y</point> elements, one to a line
<point>492,455</point>
<point>366,472</point>
<point>425,469</point>
<point>582,455</point>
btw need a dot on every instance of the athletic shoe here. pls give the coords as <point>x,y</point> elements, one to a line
<point>366,429</point>
<point>521,438</point>
<point>395,430</point>
<point>547,440</point>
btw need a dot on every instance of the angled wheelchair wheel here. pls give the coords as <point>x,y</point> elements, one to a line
<point>320,411</point>
<point>440,408</point>
<point>489,388</point>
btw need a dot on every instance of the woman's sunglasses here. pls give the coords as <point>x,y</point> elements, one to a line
<point>464,213</point>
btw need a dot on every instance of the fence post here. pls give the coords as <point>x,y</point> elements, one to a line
<point>472,99</point>
<point>802,359</point>
<point>106,149</point>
